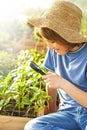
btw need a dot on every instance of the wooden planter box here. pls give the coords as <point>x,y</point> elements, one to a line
<point>18,123</point>
<point>12,122</point>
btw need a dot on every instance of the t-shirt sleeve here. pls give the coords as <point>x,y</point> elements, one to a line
<point>49,61</point>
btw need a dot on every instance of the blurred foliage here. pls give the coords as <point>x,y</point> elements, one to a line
<point>84,26</point>
<point>7,63</point>
<point>13,29</point>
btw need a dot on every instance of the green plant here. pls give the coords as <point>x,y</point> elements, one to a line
<point>24,86</point>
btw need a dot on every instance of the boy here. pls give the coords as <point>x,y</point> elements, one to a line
<point>66,60</point>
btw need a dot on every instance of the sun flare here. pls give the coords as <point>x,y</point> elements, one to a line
<point>12,8</point>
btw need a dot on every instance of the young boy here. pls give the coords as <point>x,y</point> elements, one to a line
<point>66,60</point>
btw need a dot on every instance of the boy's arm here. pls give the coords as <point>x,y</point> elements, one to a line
<point>52,106</point>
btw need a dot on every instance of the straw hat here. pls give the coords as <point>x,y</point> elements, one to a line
<point>64,18</point>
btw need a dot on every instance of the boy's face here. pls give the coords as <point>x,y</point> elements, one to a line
<point>59,47</point>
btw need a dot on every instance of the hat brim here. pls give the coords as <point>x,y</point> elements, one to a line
<point>60,28</point>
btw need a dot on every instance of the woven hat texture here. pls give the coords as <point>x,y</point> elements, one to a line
<point>64,18</point>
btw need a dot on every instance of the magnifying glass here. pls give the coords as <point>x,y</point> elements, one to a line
<point>36,68</point>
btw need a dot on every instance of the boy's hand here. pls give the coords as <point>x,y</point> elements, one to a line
<point>53,80</point>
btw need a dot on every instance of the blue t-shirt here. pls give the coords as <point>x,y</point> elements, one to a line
<point>71,66</point>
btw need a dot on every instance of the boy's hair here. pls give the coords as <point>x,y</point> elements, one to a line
<point>52,35</point>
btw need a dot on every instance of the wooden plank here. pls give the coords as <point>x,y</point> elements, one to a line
<point>12,122</point>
